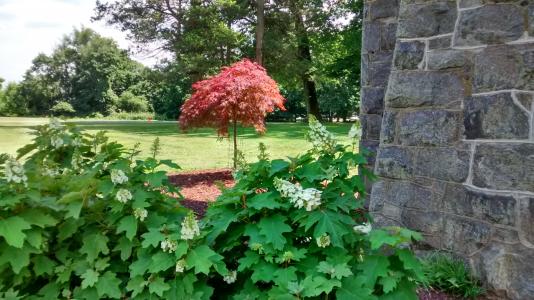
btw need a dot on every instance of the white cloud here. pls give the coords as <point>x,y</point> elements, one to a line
<point>29,27</point>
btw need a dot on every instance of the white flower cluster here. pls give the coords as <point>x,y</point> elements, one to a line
<point>355,132</point>
<point>50,172</point>
<point>140,214</point>
<point>56,141</point>
<point>168,246</point>
<point>365,228</point>
<point>55,124</point>
<point>180,266</point>
<point>76,161</point>
<point>323,241</point>
<point>124,195</point>
<point>231,277</point>
<point>309,198</point>
<point>15,172</point>
<point>118,177</point>
<point>320,137</point>
<point>77,142</point>
<point>190,227</point>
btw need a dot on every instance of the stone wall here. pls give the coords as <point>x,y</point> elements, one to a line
<point>452,114</point>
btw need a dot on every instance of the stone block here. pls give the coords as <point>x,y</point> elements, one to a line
<point>371,37</point>
<point>409,55</point>
<point>394,162</point>
<point>490,24</point>
<point>526,218</point>
<point>403,194</point>
<point>429,223</point>
<point>371,147</point>
<point>442,42</point>
<point>504,166</point>
<point>449,164</point>
<point>531,19</point>
<point>388,32</point>
<point>463,201</point>
<point>448,59</point>
<point>371,126</point>
<point>426,19</point>
<point>505,235</point>
<point>425,89</point>
<point>372,101</point>
<point>526,100</point>
<point>464,236</point>
<point>389,127</point>
<point>379,9</point>
<point>495,117</point>
<point>378,74</point>
<point>507,269</point>
<point>504,67</point>
<point>429,128</point>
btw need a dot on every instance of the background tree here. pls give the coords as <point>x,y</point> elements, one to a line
<point>242,93</point>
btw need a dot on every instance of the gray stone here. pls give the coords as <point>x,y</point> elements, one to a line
<point>470,3</point>
<point>448,59</point>
<point>408,55</point>
<point>429,128</point>
<point>463,201</point>
<point>404,194</point>
<point>370,147</point>
<point>526,100</point>
<point>372,100</point>
<point>394,162</point>
<point>452,165</point>
<point>387,36</point>
<point>526,217</point>
<point>495,117</point>
<point>428,223</point>
<point>371,126</point>
<point>464,236</point>
<point>425,88</point>
<point>507,269</point>
<point>379,9</point>
<point>371,37</point>
<point>504,67</point>
<point>389,127</point>
<point>505,235</point>
<point>490,24</point>
<point>531,19</point>
<point>378,74</point>
<point>426,19</point>
<point>504,166</point>
<point>442,42</point>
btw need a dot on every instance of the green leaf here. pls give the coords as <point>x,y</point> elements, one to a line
<point>373,267</point>
<point>331,223</point>
<point>264,200</point>
<point>140,266</point>
<point>273,228</point>
<point>128,224</point>
<point>161,261</point>
<point>278,165</point>
<point>125,247</point>
<point>250,259</point>
<point>152,238</point>
<point>18,258</point>
<point>43,265</point>
<point>68,228</point>
<point>156,179</point>
<point>352,289</point>
<point>311,172</point>
<point>380,237</point>
<point>158,286</point>
<point>94,244</point>
<point>410,262</point>
<point>38,218</point>
<point>283,276</point>
<point>170,164</point>
<point>315,286</point>
<point>264,271</point>
<point>12,230</point>
<point>388,283</point>
<point>73,210</point>
<point>108,284</point>
<point>90,277</point>
<point>406,290</point>
<point>136,285</point>
<point>335,271</point>
<point>199,258</point>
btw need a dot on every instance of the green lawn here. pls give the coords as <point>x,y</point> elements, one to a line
<point>199,149</point>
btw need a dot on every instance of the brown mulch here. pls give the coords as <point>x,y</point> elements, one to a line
<point>201,187</point>
<point>425,294</point>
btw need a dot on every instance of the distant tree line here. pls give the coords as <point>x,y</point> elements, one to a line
<point>310,47</point>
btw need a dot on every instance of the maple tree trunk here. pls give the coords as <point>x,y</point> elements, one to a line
<point>260,30</point>
<point>304,54</point>
<point>235,144</point>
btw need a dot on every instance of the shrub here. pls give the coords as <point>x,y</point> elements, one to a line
<point>62,108</point>
<point>81,219</point>
<point>448,274</point>
<point>296,228</point>
<point>128,102</point>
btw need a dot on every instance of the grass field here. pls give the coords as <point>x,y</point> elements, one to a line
<point>199,149</point>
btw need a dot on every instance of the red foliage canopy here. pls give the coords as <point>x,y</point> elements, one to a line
<point>242,92</point>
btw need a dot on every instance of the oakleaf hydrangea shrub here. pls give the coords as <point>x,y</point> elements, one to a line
<point>80,218</point>
<point>297,229</point>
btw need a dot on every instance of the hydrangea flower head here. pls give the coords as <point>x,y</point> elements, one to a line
<point>355,132</point>
<point>168,245</point>
<point>118,177</point>
<point>124,195</point>
<point>56,142</point>
<point>140,214</point>
<point>231,277</point>
<point>14,171</point>
<point>180,266</point>
<point>323,241</point>
<point>320,137</point>
<point>365,228</point>
<point>190,227</point>
<point>309,198</point>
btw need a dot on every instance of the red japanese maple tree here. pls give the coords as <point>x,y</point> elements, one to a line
<point>241,93</point>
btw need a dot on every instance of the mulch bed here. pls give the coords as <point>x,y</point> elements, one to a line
<point>199,188</point>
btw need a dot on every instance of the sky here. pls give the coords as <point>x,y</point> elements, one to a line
<point>30,27</point>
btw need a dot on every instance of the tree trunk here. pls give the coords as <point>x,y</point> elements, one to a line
<point>304,55</point>
<point>235,144</point>
<point>260,30</point>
